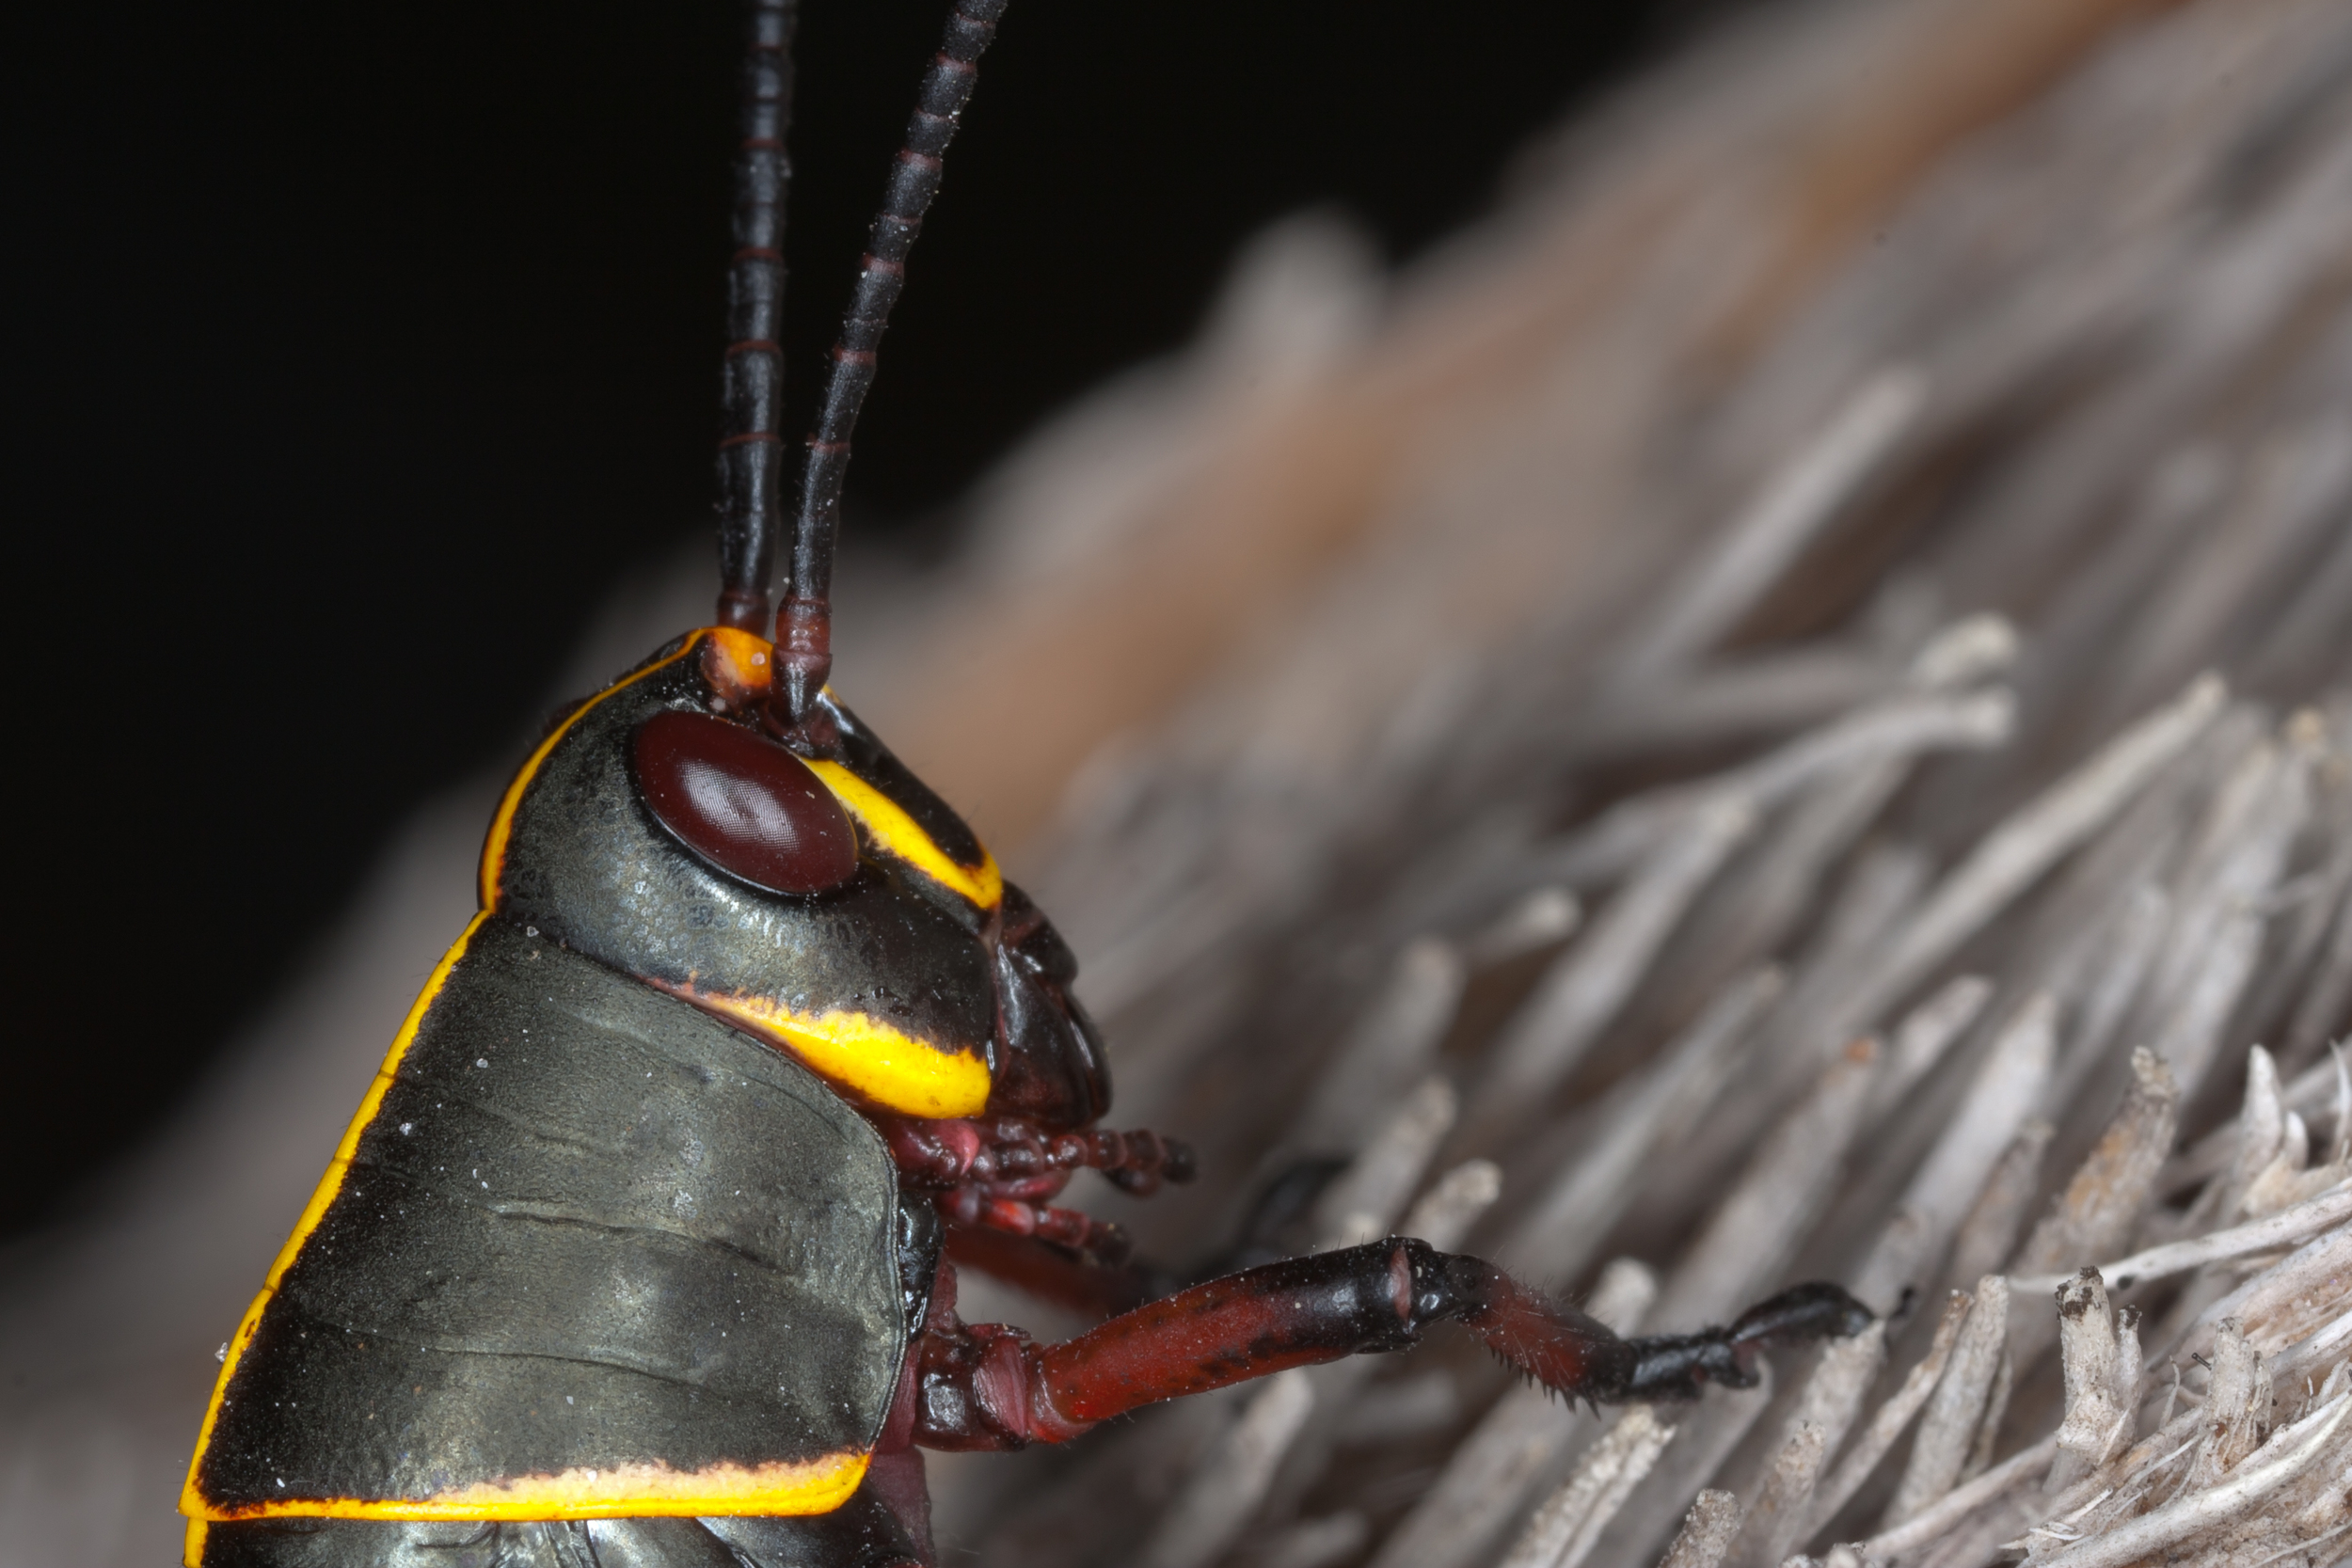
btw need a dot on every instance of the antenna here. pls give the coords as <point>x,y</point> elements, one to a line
<point>751,382</point>
<point>804,623</point>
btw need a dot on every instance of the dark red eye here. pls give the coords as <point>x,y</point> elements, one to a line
<point>744,804</point>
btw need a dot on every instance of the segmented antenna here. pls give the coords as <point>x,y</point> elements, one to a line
<point>804,623</point>
<point>750,386</point>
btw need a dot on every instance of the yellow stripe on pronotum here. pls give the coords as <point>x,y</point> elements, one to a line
<point>887,1065</point>
<point>888,823</point>
<point>191,1501</point>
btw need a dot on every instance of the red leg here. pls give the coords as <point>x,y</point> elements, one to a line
<point>1049,1273</point>
<point>998,1173</point>
<point>987,1386</point>
<point>1004,1152</point>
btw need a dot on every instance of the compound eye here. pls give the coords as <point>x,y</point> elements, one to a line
<point>744,804</point>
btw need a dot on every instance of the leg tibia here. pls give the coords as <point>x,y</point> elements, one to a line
<point>1052,1273</point>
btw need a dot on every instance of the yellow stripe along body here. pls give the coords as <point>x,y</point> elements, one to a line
<point>192,1502</point>
<point>807,1484</point>
<point>868,1055</point>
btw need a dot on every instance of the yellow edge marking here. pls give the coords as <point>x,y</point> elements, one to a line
<point>191,1501</point>
<point>192,1549</point>
<point>887,1065</point>
<point>739,663</point>
<point>892,829</point>
<point>494,848</point>
<point>812,1486</point>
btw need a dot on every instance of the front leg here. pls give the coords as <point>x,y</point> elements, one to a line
<point>988,1386</point>
<point>998,1173</point>
<point>1076,1281</point>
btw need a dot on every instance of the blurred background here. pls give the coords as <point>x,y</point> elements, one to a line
<point>1335,467</point>
<point>394,333</point>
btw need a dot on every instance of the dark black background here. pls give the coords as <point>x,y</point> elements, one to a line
<point>355,351</point>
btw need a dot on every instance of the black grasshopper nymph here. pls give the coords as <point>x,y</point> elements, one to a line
<point>641,1247</point>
